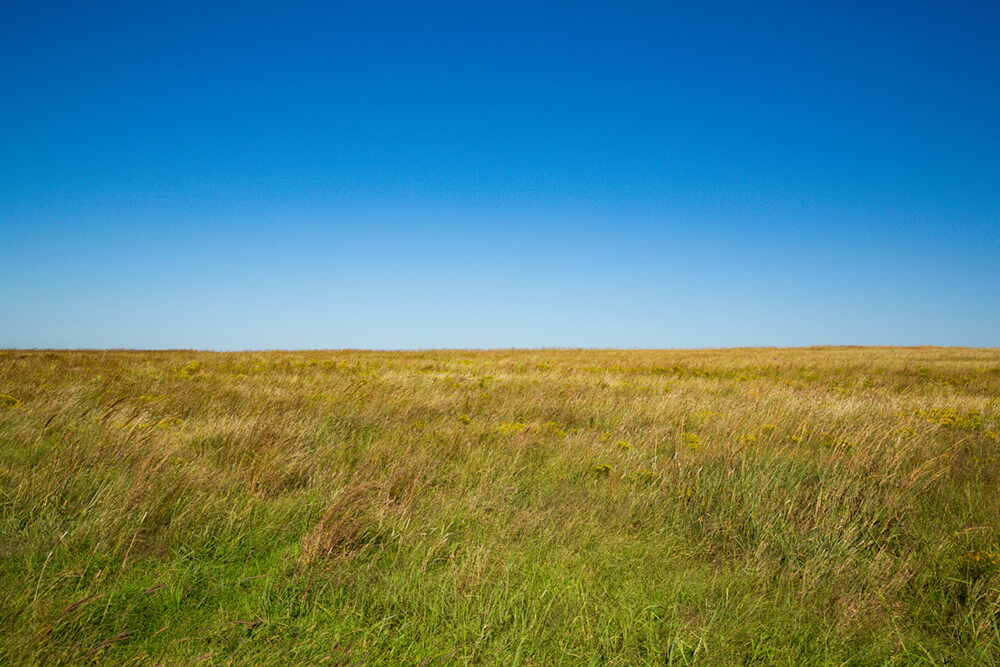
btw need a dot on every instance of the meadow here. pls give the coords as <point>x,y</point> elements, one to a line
<point>577,507</point>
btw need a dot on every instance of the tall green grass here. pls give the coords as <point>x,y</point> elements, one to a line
<point>817,506</point>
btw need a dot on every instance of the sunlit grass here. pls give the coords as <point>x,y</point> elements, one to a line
<point>537,507</point>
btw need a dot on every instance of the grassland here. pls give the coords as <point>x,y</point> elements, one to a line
<point>817,506</point>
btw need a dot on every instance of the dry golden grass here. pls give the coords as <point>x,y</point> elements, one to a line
<point>824,505</point>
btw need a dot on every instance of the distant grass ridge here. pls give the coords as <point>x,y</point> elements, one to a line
<point>757,506</point>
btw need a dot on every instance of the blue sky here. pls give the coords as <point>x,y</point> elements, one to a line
<point>414,175</point>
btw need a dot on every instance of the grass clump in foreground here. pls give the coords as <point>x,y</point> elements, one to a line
<point>822,506</point>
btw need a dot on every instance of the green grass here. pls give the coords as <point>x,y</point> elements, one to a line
<point>817,506</point>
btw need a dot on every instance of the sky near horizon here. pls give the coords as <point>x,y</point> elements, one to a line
<point>431,175</point>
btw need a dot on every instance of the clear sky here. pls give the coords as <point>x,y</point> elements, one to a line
<point>413,175</point>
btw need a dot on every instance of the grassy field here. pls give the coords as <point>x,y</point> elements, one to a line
<point>814,506</point>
